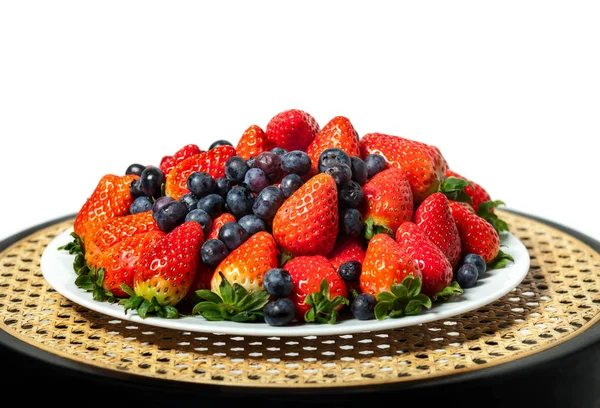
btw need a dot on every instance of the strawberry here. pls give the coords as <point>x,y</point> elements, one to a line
<point>436,270</point>
<point>477,236</point>
<point>166,271</point>
<point>477,193</point>
<point>388,202</point>
<point>346,249</point>
<point>314,301</point>
<point>434,218</point>
<point>110,198</point>
<point>201,281</point>
<point>292,129</point>
<point>247,264</point>
<point>307,222</point>
<point>168,162</point>
<point>211,162</point>
<point>338,132</point>
<point>252,142</point>
<point>385,264</point>
<point>217,223</point>
<point>424,165</point>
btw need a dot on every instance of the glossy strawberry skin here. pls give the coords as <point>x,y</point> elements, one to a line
<point>388,199</point>
<point>477,236</point>
<point>345,250</point>
<point>307,222</point>
<point>218,223</point>
<point>292,129</point>
<point>167,270</point>
<point>168,162</point>
<point>477,193</point>
<point>252,143</point>
<point>248,263</point>
<point>307,272</point>
<point>338,132</point>
<point>435,267</point>
<point>385,264</point>
<point>423,165</point>
<point>211,162</point>
<point>434,218</point>
<point>121,259</point>
<point>111,198</point>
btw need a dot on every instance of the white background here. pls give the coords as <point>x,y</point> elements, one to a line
<point>509,91</point>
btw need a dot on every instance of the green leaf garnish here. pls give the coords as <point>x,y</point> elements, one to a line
<point>454,189</point>
<point>145,307</point>
<point>322,308</point>
<point>233,302</point>
<point>448,293</point>
<point>485,211</point>
<point>404,299</point>
<point>500,260</point>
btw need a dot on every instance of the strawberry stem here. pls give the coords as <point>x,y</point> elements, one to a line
<point>323,309</point>
<point>454,188</point>
<point>372,229</point>
<point>404,299</point>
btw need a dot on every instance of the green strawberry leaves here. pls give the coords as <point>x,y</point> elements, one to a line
<point>485,211</point>
<point>404,299</point>
<point>233,303</point>
<point>450,292</point>
<point>322,308</point>
<point>500,260</point>
<point>454,189</point>
<point>371,229</point>
<point>75,247</point>
<point>145,307</point>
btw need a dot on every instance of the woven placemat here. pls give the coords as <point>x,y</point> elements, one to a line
<point>556,301</point>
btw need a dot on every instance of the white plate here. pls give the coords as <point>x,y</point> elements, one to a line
<point>57,268</point>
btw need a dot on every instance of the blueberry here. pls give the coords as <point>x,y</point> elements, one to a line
<point>332,156</point>
<point>478,262</point>
<point>350,194</point>
<point>202,218</point>
<point>279,151</point>
<point>189,200</point>
<point>289,184</point>
<point>297,162</point>
<point>252,224</point>
<point>135,168</point>
<point>363,307</point>
<point>375,164</point>
<point>250,162</point>
<point>135,189</point>
<point>270,163</point>
<point>235,169</point>
<point>222,186</point>
<point>140,204</point>
<point>213,204</point>
<point>171,215</point>
<point>219,143</point>
<point>466,276</point>
<point>278,282</point>
<point>256,180</point>
<point>352,222</point>
<point>233,235</point>
<point>350,271</point>
<point>151,181</point>
<point>213,252</point>
<point>160,203</point>
<point>279,312</point>
<point>341,173</point>
<point>239,201</point>
<point>201,183</point>
<point>268,202</point>
<point>359,170</point>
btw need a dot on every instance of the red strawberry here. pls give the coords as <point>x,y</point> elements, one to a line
<point>247,264</point>
<point>477,236</point>
<point>292,129</point>
<point>168,162</point>
<point>339,133</point>
<point>434,218</point>
<point>307,222</point>
<point>436,269</point>
<point>110,198</point>
<point>211,162</point>
<point>477,193</point>
<point>423,165</point>
<point>252,142</point>
<point>388,202</point>
<point>167,270</point>
<point>121,259</point>
<point>307,274</point>
<point>347,249</point>
<point>218,223</point>
<point>202,280</point>
<point>385,264</point>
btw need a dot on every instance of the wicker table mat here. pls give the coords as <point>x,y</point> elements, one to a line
<point>557,300</point>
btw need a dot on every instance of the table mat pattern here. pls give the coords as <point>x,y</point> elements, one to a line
<point>557,300</point>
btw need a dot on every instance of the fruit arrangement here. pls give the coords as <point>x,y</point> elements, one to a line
<point>294,224</point>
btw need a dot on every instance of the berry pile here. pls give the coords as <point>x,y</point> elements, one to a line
<point>296,223</point>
